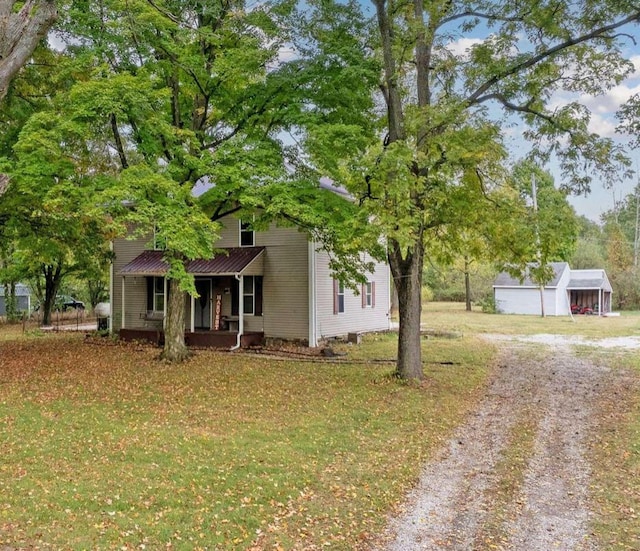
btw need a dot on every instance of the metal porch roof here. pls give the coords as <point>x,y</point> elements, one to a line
<point>229,261</point>
<point>506,280</point>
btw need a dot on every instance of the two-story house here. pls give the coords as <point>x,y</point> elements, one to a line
<point>271,284</point>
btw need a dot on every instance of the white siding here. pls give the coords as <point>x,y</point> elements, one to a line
<point>355,318</point>
<point>523,300</point>
<point>286,294</point>
<point>563,308</point>
<point>285,302</point>
<point>125,251</point>
<point>526,300</point>
<point>285,284</point>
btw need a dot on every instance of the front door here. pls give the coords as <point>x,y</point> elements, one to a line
<point>203,304</point>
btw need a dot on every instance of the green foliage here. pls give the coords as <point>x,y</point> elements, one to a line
<point>447,281</point>
<point>590,251</point>
<point>52,219</point>
<point>440,160</point>
<point>488,304</point>
<point>544,231</point>
<point>617,244</point>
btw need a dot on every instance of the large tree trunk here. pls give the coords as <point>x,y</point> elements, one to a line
<point>52,277</point>
<point>407,275</point>
<point>175,349</point>
<point>20,32</point>
<point>467,285</point>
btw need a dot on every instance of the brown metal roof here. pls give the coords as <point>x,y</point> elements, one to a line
<point>229,261</point>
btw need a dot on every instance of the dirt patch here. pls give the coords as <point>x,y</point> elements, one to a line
<point>461,502</point>
<point>628,343</point>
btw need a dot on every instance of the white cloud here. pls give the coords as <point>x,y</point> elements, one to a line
<point>461,47</point>
<point>635,59</point>
<point>602,126</point>
<point>610,102</point>
<point>286,53</point>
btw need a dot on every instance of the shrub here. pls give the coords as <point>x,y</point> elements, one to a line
<point>488,304</point>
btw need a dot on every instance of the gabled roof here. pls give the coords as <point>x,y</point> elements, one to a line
<point>506,280</point>
<point>589,279</point>
<point>231,261</point>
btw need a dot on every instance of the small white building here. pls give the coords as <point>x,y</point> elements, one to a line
<point>23,299</point>
<point>577,291</point>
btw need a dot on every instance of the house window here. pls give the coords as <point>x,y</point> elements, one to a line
<point>368,294</point>
<point>247,235</point>
<point>155,294</point>
<point>251,295</point>
<point>158,294</point>
<point>338,297</point>
<point>248,293</point>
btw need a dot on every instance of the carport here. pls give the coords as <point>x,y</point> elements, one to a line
<point>590,289</point>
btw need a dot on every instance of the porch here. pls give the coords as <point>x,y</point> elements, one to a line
<point>200,339</point>
<point>589,292</point>
<point>225,312</point>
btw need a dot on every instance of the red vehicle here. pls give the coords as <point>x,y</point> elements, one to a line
<point>577,309</point>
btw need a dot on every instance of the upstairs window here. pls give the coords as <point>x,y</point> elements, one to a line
<point>247,235</point>
<point>338,297</point>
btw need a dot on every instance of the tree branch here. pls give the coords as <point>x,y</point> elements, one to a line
<point>118,140</point>
<point>19,35</point>
<point>164,12</point>
<point>550,52</point>
<point>480,15</point>
<point>514,107</point>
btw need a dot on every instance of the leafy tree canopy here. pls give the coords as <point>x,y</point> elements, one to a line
<point>443,112</point>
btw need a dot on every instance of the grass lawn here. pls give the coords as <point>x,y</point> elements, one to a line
<point>104,447</point>
<point>616,458</point>
<point>453,317</point>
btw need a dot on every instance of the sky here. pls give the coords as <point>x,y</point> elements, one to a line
<point>603,195</point>
<point>603,108</point>
<point>601,198</point>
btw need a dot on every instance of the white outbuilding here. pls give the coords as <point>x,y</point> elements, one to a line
<point>569,291</point>
<point>23,299</point>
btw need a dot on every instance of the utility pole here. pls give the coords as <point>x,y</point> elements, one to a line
<point>534,195</point>
<point>637,237</point>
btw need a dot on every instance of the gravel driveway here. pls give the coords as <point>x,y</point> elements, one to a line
<point>460,502</point>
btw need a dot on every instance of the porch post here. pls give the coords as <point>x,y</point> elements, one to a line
<point>164,304</point>
<point>193,314</point>
<point>122,323</point>
<point>241,305</point>
<point>600,305</point>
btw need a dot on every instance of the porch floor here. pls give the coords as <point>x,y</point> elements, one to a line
<point>203,339</point>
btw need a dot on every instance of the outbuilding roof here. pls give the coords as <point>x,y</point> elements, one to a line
<point>589,279</point>
<point>22,290</point>
<point>230,261</point>
<point>504,279</point>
